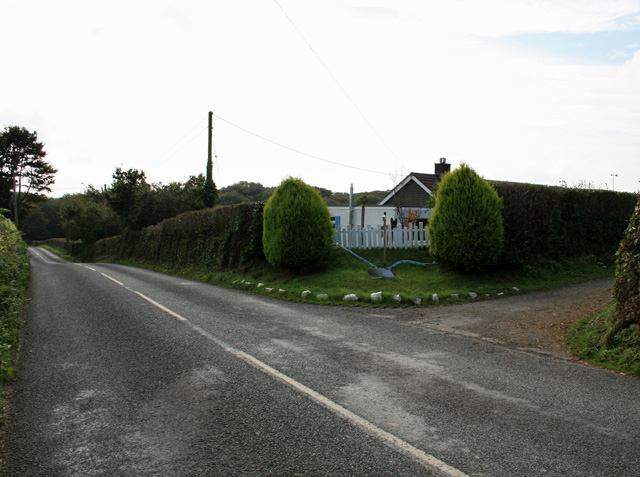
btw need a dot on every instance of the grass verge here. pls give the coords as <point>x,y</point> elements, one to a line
<point>347,274</point>
<point>14,279</point>
<point>598,340</point>
<point>60,253</point>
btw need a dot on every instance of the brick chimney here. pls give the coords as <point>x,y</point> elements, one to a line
<point>442,167</point>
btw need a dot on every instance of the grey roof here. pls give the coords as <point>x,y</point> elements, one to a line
<point>413,191</point>
<point>429,180</point>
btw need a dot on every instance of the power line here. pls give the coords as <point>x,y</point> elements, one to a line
<point>336,81</point>
<point>168,150</point>
<point>296,150</point>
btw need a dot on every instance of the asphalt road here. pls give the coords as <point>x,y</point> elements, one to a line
<point>124,371</point>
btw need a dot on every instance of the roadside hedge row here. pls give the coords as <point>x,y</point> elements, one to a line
<point>14,278</point>
<point>540,223</point>
<point>543,222</point>
<point>219,238</point>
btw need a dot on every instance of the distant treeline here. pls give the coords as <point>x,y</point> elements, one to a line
<point>255,192</point>
<point>130,203</point>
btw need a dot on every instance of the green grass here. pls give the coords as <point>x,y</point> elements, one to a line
<point>347,274</point>
<point>601,342</point>
<point>14,279</point>
<point>61,253</point>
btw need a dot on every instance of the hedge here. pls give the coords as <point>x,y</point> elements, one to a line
<point>540,223</point>
<point>218,238</point>
<point>626,287</point>
<point>544,222</point>
<point>14,279</point>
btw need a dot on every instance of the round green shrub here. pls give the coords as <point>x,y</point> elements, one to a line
<point>626,287</point>
<point>297,229</point>
<point>465,229</point>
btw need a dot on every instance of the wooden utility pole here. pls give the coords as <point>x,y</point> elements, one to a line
<point>210,192</point>
<point>210,160</point>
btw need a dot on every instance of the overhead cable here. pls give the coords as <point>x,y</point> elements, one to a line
<point>297,151</point>
<point>171,153</point>
<point>375,131</point>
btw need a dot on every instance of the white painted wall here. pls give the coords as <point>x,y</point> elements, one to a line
<point>372,215</point>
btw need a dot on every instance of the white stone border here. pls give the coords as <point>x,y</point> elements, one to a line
<point>376,297</point>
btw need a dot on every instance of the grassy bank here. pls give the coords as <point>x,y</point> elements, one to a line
<point>347,274</point>
<point>14,278</point>
<point>598,340</point>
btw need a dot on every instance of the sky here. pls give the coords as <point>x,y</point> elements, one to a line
<point>335,92</point>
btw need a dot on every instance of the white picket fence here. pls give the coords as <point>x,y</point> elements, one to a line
<point>373,237</point>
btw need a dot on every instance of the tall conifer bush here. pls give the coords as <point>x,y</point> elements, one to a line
<point>297,226</point>
<point>465,229</point>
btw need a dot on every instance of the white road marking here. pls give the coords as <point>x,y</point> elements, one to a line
<point>113,280</point>
<point>163,308</point>
<point>41,256</point>
<point>422,457</point>
<point>427,460</point>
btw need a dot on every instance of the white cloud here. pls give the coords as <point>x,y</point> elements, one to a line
<point>120,83</point>
<point>508,17</point>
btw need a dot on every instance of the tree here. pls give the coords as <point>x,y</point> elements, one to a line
<point>626,287</point>
<point>244,191</point>
<point>139,204</point>
<point>83,218</point>
<point>465,229</point>
<point>44,222</point>
<point>194,189</point>
<point>125,194</point>
<point>209,193</point>
<point>23,171</point>
<point>297,229</point>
